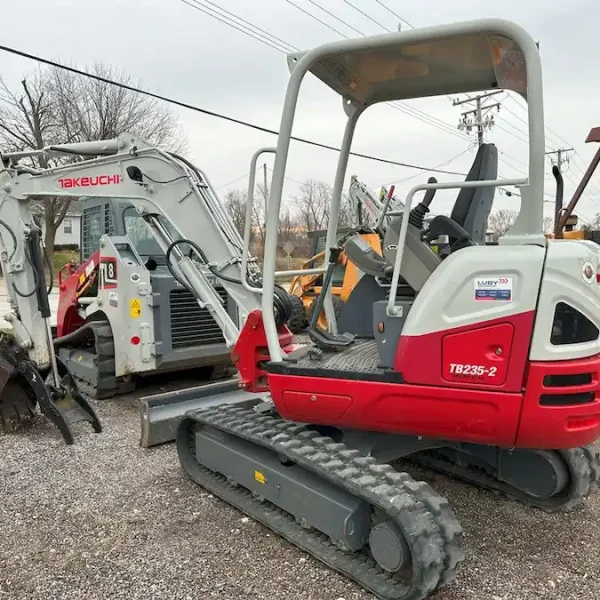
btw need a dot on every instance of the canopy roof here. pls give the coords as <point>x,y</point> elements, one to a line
<point>419,63</point>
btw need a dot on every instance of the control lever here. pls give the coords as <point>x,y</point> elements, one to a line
<point>417,214</point>
<point>321,338</point>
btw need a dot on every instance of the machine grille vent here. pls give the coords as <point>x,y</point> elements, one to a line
<point>96,221</point>
<point>190,324</point>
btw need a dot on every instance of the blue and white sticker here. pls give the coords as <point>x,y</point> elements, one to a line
<point>494,288</point>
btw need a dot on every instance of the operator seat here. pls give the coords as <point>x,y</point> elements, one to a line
<point>466,225</point>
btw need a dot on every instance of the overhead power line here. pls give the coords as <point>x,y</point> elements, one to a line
<point>211,113</point>
<point>366,15</point>
<point>401,106</point>
<point>403,20</point>
<point>240,27</point>
<point>335,17</point>
<point>315,18</point>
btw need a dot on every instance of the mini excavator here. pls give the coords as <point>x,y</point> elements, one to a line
<point>484,362</point>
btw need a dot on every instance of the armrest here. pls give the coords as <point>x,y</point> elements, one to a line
<point>442,225</point>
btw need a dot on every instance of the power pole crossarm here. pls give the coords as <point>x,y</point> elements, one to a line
<point>482,96</point>
<point>477,117</point>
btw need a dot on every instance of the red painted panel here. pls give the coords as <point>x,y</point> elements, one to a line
<point>465,415</point>
<point>479,356</point>
<point>67,318</point>
<point>331,406</point>
<point>565,426</point>
<point>427,359</point>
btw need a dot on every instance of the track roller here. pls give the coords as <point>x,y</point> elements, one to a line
<point>552,480</point>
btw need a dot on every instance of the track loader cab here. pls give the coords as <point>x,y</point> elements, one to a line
<point>165,328</point>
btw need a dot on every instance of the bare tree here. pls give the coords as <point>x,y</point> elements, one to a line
<point>593,225</point>
<point>53,106</point>
<point>235,204</point>
<point>313,204</point>
<point>500,221</point>
<point>548,224</point>
<point>346,216</point>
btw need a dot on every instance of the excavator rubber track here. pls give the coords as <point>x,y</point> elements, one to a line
<point>426,520</point>
<point>583,465</point>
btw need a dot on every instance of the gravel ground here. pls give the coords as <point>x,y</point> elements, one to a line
<point>107,519</point>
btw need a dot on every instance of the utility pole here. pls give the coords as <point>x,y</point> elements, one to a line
<point>478,116</point>
<point>562,158</point>
<point>266,188</point>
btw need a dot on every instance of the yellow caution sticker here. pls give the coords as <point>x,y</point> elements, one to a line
<point>260,477</point>
<point>135,308</point>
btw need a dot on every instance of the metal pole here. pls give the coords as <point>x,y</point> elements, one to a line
<point>334,210</point>
<point>578,193</point>
<point>479,123</point>
<point>266,186</point>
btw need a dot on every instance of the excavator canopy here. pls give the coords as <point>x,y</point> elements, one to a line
<point>422,63</point>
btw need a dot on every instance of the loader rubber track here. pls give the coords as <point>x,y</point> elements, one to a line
<point>583,464</point>
<point>103,351</point>
<point>429,525</point>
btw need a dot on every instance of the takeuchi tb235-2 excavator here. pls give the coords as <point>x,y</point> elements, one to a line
<point>484,362</point>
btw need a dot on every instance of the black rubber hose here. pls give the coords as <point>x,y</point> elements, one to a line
<point>79,335</point>
<point>35,277</point>
<point>12,235</point>
<point>50,270</point>
<point>282,301</point>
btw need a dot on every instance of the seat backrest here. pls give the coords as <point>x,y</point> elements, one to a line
<point>473,205</point>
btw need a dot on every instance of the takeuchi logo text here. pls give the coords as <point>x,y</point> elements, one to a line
<point>74,182</point>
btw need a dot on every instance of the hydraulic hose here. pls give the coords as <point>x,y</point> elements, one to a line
<point>282,300</point>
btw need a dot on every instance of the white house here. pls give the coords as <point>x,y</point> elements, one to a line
<point>69,230</point>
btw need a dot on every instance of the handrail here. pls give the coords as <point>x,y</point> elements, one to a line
<point>392,311</point>
<point>248,221</point>
<point>317,271</point>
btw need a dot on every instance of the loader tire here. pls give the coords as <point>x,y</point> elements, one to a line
<point>298,321</point>
<point>338,304</point>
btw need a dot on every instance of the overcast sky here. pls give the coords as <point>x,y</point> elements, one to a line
<point>180,52</point>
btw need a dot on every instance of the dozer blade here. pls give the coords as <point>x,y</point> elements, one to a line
<point>160,413</point>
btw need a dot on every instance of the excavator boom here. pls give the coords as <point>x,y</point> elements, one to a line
<point>180,207</point>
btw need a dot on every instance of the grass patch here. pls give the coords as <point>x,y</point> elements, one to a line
<point>60,259</point>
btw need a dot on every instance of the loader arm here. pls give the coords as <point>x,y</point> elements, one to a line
<point>369,210</point>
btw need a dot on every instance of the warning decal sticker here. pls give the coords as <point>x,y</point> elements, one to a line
<point>135,308</point>
<point>494,288</point>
